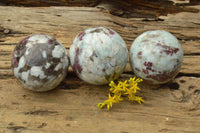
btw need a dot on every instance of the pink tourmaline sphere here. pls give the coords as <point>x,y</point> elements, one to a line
<point>39,62</point>
<point>156,56</point>
<point>98,55</point>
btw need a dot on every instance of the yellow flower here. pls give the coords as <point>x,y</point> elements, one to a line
<point>116,89</point>
<point>136,99</point>
<point>112,84</point>
<point>139,80</point>
<point>110,101</point>
<point>134,89</point>
<point>118,98</point>
<point>130,92</point>
<point>124,85</point>
<point>128,88</point>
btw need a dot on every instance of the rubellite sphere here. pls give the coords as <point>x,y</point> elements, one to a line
<point>98,55</point>
<point>156,56</point>
<point>39,62</point>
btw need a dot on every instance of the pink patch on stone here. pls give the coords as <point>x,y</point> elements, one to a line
<point>52,40</point>
<point>167,49</point>
<point>140,53</point>
<point>15,61</point>
<point>76,66</point>
<point>25,40</point>
<point>111,32</point>
<point>81,35</point>
<point>137,69</point>
<point>145,71</point>
<point>162,77</point>
<point>148,66</point>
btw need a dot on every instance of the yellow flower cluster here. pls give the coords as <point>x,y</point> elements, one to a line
<point>127,88</point>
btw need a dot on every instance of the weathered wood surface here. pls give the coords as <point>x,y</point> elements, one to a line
<point>71,107</point>
<point>42,3</point>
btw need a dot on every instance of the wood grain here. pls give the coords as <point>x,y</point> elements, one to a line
<point>145,8</point>
<point>72,106</point>
<point>42,3</point>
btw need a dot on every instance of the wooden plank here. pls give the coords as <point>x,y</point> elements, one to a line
<point>72,107</point>
<point>31,3</point>
<point>146,9</point>
<point>122,8</point>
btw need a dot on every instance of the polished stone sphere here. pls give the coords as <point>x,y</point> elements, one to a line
<point>98,55</point>
<point>156,56</point>
<point>39,62</point>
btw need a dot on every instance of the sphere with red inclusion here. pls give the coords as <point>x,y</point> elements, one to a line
<point>98,55</point>
<point>39,62</point>
<point>156,56</point>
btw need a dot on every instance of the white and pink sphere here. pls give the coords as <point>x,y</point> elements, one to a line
<point>156,56</point>
<point>39,62</point>
<point>98,55</point>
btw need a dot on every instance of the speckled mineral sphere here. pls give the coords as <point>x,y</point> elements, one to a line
<point>39,62</point>
<point>156,56</point>
<point>98,55</point>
